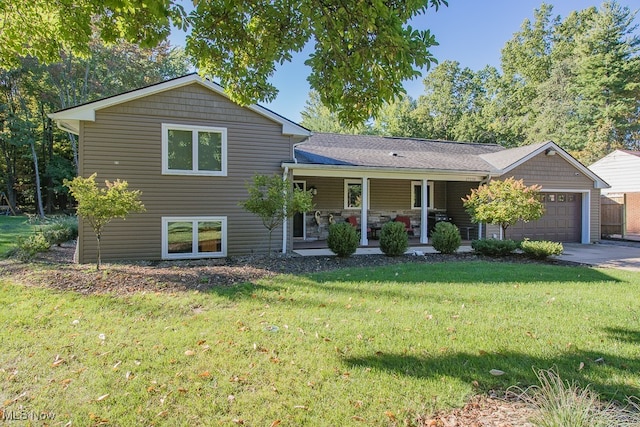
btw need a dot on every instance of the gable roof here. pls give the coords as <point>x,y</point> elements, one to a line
<point>391,152</point>
<point>369,151</point>
<point>69,119</point>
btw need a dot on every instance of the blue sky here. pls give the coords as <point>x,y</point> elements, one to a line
<point>471,32</point>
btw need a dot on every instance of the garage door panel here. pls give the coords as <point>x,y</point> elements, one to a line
<point>561,222</point>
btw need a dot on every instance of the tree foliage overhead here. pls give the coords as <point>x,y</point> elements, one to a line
<point>362,51</point>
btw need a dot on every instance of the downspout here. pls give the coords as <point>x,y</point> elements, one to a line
<point>285,223</point>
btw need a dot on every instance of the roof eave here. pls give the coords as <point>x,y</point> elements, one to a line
<point>380,171</point>
<point>86,112</point>
<point>597,181</point>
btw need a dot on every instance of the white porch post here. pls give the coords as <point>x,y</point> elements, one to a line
<point>364,210</point>
<point>285,223</point>
<point>424,213</point>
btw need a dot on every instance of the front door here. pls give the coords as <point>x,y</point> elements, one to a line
<point>298,218</point>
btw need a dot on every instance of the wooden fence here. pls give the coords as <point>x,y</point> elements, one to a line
<point>620,215</point>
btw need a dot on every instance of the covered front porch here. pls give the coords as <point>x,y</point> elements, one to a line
<point>370,198</point>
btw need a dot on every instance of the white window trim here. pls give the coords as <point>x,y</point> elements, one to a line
<point>414,184</point>
<point>346,194</point>
<point>194,220</point>
<point>195,129</point>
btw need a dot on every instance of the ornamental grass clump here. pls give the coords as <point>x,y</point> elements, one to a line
<point>343,239</point>
<point>446,238</point>
<point>394,240</point>
<point>541,249</point>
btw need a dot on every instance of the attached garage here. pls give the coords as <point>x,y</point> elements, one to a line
<point>562,221</point>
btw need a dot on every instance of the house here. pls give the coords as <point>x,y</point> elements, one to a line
<point>393,176</point>
<point>621,202</point>
<point>191,151</point>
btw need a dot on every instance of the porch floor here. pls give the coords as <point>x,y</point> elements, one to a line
<point>319,247</point>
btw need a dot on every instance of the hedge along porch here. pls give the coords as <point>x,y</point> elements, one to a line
<point>392,176</point>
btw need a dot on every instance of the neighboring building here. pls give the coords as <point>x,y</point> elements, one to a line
<point>191,151</point>
<point>621,170</point>
<point>621,202</point>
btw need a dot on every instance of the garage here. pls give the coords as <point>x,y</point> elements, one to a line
<point>560,223</point>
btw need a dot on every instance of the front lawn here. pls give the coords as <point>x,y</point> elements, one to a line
<point>12,227</point>
<point>349,347</point>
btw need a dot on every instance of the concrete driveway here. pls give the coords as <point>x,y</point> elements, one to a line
<point>623,255</point>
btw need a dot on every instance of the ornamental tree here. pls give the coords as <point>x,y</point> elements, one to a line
<point>101,205</point>
<point>362,51</point>
<point>273,199</point>
<point>504,203</point>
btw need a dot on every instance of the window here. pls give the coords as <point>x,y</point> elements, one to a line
<point>416,194</point>
<point>353,194</point>
<point>194,150</point>
<point>194,237</point>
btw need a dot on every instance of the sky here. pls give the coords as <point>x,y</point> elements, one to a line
<point>472,32</point>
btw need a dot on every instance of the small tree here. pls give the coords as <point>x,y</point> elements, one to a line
<point>101,205</point>
<point>504,203</point>
<point>273,199</point>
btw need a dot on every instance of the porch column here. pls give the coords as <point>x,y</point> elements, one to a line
<point>285,223</point>
<point>364,210</point>
<point>424,213</point>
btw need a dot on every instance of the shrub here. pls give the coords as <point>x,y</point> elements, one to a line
<point>493,247</point>
<point>29,247</point>
<point>541,249</point>
<point>343,239</point>
<point>446,238</point>
<point>60,230</point>
<point>394,240</point>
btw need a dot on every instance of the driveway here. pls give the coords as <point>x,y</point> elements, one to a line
<point>612,254</point>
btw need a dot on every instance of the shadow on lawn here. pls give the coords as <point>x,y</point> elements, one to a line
<point>468,272</point>
<point>519,369</point>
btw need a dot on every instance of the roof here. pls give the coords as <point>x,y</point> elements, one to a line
<point>391,152</point>
<point>633,153</point>
<point>413,154</point>
<point>69,119</point>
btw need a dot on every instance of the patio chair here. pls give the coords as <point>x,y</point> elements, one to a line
<point>407,223</point>
<point>353,220</point>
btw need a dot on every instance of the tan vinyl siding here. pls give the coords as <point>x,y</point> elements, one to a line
<point>456,190</point>
<point>125,142</point>
<point>551,172</point>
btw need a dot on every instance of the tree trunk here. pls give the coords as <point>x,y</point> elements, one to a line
<point>37,173</point>
<point>98,261</point>
<point>74,149</point>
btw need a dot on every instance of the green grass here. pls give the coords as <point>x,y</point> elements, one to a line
<point>350,347</point>
<point>12,227</point>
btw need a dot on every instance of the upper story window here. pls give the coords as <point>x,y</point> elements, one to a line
<point>194,150</point>
<point>416,195</point>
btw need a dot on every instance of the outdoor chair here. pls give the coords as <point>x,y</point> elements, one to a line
<point>407,223</point>
<point>353,220</point>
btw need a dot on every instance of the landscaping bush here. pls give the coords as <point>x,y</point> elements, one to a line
<point>446,238</point>
<point>394,240</point>
<point>60,230</point>
<point>343,239</point>
<point>493,247</point>
<point>29,247</point>
<point>541,249</point>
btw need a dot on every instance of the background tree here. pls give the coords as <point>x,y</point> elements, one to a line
<point>99,206</point>
<point>273,199</point>
<point>363,51</point>
<point>504,203</point>
<point>318,118</point>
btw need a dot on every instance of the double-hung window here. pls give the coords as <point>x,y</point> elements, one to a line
<point>194,150</point>
<point>353,194</point>
<point>194,237</point>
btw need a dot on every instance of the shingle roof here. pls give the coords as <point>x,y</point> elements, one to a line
<point>378,151</point>
<point>505,158</point>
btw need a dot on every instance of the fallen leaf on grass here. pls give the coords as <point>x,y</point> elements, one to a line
<point>103,397</point>
<point>205,374</point>
<point>496,372</point>
<point>189,353</point>
<point>276,423</point>
<point>357,418</point>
